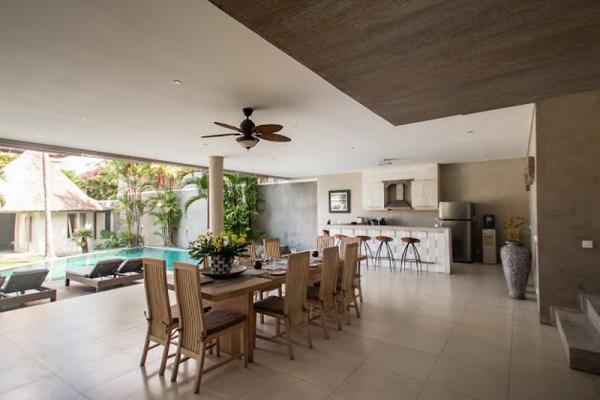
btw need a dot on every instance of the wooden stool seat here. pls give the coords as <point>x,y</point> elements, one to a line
<point>384,243</point>
<point>364,238</point>
<point>410,240</point>
<point>410,245</point>
<point>384,239</point>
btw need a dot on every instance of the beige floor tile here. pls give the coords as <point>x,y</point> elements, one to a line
<point>282,386</point>
<point>536,378</point>
<point>403,361</point>
<point>420,340</point>
<point>373,383</point>
<point>470,380</point>
<point>500,338</point>
<point>20,370</point>
<point>368,329</point>
<point>447,312</point>
<point>480,355</point>
<point>47,388</point>
<point>324,368</point>
<point>546,345</point>
<point>434,392</point>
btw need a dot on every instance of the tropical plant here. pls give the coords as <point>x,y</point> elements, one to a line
<point>217,244</point>
<point>111,240</point>
<point>101,183</point>
<point>167,215</point>
<point>200,182</point>
<point>6,158</point>
<point>136,178</point>
<point>514,229</point>
<point>242,200</point>
<point>81,237</point>
<point>2,177</point>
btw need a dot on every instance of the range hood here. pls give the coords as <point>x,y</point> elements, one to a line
<point>397,194</point>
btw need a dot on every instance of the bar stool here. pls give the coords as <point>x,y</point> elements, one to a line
<point>410,243</point>
<point>384,242</point>
<point>366,249</point>
<point>339,238</point>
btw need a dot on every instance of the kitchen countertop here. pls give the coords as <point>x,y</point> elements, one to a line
<point>392,227</point>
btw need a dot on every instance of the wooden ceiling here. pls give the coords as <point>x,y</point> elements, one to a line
<point>416,60</point>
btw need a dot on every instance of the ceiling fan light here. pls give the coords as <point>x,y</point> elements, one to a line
<point>247,142</point>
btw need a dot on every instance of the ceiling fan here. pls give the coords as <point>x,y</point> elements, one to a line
<point>250,134</point>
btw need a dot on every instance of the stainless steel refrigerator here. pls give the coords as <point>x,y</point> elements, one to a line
<point>458,215</point>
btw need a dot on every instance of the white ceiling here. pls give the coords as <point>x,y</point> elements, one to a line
<point>99,75</point>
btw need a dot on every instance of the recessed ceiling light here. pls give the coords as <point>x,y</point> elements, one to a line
<point>352,148</point>
<point>471,132</point>
<point>177,82</point>
<point>38,136</point>
<point>84,118</point>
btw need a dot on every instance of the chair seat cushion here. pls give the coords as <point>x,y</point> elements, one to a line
<point>272,304</point>
<point>312,293</point>
<point>82,271</point>
<point>218,320</point>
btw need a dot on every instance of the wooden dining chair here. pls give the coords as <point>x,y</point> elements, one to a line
<point>250,256</point>
<point>346,294</point>
<point>324,241</point>
<point>162,318</point>
<point>199,330</point>
<point>357,276</point>
<point>322,299</point>
<point>293,308</point>
<point>271,248</point>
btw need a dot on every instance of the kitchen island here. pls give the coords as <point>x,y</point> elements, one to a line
<point>435,246</point>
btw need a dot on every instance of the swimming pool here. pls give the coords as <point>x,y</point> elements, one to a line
<point>58,266</point>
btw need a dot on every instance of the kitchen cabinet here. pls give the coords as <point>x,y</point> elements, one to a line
<point>424,194</point>
<point>373,196</point>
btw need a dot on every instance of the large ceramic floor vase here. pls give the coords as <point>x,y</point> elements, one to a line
<point>516,263</point>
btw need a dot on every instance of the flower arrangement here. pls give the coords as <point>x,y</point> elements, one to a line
<point>514,229</point>
<point>219,245</point>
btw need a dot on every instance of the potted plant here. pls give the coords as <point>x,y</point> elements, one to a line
<point>516,258</point>
<point>219,249</point>
<point>81,236</point>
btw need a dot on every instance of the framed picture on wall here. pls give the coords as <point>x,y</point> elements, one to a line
<point>339,201</point>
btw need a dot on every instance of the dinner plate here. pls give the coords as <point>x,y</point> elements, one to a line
<point>277,272</point>
<point>237,270</point>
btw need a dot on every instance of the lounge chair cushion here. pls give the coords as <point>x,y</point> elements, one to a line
<point>272,304</point>
<point>218,320</point>
<point>133,265</point>
<point>104,268</point>
<point>21,281</point>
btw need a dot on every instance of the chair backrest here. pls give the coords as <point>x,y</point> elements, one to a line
<point>329,274</point>
<point>344,241</point>
<point>250,255</point>
<point>324,242</point>
<point>272,250</point>
<point>132,265</point>
<point>106,268</point>
<point>21,281</point>
<point>349,271</point>
<point>296,287</point>
<point>192,330</point>
<point>157,297</point>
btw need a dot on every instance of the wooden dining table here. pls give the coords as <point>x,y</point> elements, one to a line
<point>237,294</point>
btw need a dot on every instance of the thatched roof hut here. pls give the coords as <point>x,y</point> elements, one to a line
<point>23,188</point>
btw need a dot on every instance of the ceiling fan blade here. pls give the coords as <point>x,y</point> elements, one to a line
<point>233,128</point>
<point>274,137</point>
<point>268,128</point>
<point>220,135</point>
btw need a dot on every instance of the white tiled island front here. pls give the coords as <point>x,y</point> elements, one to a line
<point>434,248</point>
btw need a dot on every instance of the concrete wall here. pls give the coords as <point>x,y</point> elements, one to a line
<point>568,192</point>
<point>62,244</point>
<point>290,213</point>
<point>495,187</point>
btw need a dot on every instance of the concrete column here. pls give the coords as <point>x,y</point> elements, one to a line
<point>215,193</point>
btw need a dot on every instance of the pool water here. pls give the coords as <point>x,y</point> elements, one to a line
<point>59,266</point>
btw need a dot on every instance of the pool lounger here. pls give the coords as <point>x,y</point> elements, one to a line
<point>23,287</point>
<point>107,273</point>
